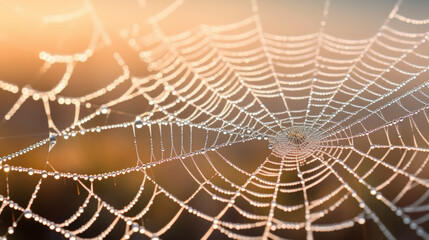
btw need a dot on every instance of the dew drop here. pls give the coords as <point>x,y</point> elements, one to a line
<point>52,140</point>
<point>6,168</point>
<point>104,109</point>
<point>135,227</point>
<point>27,213</point>
<point>361,220</point>
<point>138,123</point>
<point>57,175</point>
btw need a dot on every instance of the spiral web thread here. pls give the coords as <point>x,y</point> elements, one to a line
<point>216,79</point>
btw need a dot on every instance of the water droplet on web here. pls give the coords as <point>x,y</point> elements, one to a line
<point>27,213</point>
<point>361,220</point>
<point>104,109</point>
<point>52,140</point>
<point>138,123</point>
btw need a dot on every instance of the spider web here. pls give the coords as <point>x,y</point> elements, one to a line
<point>345,121</point>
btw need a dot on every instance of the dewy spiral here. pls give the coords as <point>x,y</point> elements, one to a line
<point>144,133</point>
